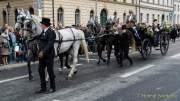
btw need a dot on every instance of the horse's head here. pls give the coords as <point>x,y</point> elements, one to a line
<point>20,20</point>
<point>28,23</point>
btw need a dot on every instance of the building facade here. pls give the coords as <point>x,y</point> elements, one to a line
<point>70,12</point>
<point>176,13</point>
<point>162,10</point>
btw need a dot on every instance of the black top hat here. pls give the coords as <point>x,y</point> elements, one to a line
<point>46,21</point>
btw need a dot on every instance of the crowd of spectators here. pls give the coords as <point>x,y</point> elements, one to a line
<point>12,48</point>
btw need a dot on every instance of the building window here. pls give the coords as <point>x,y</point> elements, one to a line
<point>158,18</point>
<point>158,2</point>
<point>178,19</point>
<point>115,14</point>
<point>153,17</point>
<point>132,1</point>
<point>31,10</point>
<point>162,19</point>
<point>60,16</point>
<point>147,19</point>
<point>124,18</point>
<point>124,1</point>
<point>175,19</point>
<point>77,17</point>
<point>162,2</point>
<point>16,14</point>
<point>4,17</point>
<point>103,17</point>
<point>141,18</point>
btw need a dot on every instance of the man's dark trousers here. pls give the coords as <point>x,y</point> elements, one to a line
<point>43,64</point>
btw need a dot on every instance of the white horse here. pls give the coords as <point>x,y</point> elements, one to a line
<point>68,39</point>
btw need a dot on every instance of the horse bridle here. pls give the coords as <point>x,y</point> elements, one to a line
<point>23,19</point>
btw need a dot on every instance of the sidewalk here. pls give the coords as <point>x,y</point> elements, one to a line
<point>15,65</point>
<point>19,65</point>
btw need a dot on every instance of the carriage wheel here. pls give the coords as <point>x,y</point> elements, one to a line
<point>164,43</point>
<point>146,48</point>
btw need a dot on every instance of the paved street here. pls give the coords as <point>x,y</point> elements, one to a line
<point>155,79</point>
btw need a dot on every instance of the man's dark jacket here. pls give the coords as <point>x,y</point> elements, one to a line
<point>46,45</point>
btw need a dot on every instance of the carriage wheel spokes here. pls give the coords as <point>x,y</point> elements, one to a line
<point>146,48</point>
<point>164,43</point>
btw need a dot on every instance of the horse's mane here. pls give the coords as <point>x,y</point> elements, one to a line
<point>37,19</point>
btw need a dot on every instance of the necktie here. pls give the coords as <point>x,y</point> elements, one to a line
<point>43,32</point>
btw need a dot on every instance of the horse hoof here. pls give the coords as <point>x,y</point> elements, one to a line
<point>31,78</point>
<point>121,65</point>
<point>60,69</point>
<point>131,64</point>
<point>68,78</point>
<point>75,72</point>
<point>108,62</point>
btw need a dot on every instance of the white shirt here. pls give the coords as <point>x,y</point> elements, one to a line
<point>45,30</point>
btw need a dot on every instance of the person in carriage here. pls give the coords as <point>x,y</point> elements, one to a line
<point>156,31</point>
<point>131,26</point>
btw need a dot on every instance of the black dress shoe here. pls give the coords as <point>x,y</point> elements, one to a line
<point>41,91</point>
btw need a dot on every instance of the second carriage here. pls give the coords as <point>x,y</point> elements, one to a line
<point>148,39</point>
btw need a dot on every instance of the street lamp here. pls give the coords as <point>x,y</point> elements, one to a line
<point>8,7</point>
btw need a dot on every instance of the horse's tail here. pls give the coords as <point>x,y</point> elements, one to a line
<point>83,42</point>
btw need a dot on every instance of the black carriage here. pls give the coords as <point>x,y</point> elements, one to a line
<point>149,39</point>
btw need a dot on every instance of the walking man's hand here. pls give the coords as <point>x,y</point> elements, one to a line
<point>40,54</point>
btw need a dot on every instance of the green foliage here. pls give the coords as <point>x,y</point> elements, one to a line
<point>150,32</point>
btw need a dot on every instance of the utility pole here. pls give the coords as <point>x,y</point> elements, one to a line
<point>96,16</point>
<point>136,8</point>
<point>140,11</point>
<point>39,7</point>
<point>53,13</point>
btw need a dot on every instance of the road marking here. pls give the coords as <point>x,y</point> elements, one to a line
<point>12,79</point>
<point>21,77</point>
<point>55,100</point>
<point>175,56</point>
<point>136,71</point>
<point>89,59</point>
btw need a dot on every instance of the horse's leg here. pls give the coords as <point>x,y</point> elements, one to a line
<point>66,63</point>
<point>100,50</point>
<point>99,54</point>
<point>29,70</point>
<point>109,48</point>
<point>103,46</point>
<point>75,60</point>
<point>60,69</point>
<point>116,53</point>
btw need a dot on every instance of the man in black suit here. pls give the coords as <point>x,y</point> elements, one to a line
<point>46,56</point>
